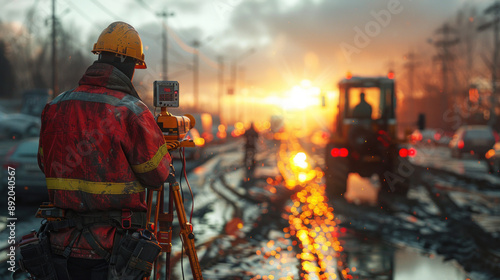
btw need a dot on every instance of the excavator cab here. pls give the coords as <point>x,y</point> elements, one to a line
<point>365,138</point>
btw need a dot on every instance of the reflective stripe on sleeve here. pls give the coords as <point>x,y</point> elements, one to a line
<point>132,103</point>
<point>153,163</point>
<point>94,187</point>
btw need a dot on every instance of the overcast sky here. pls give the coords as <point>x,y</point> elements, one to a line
<point>319,40</point>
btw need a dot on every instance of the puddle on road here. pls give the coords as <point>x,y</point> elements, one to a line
<point>376,260</point>
<point>362,190</point>
<point>410,265</point>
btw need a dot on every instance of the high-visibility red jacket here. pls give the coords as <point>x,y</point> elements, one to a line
<point>99,148</point>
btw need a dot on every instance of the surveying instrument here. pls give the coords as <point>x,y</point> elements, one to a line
<point>174,128</point>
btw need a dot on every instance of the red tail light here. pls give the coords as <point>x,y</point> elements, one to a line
<point>403,152</point>
<point>437,136</point>
<point>412,152</point>
<point>390,75</point>
<point>461,144</point>
<point>339,152</point>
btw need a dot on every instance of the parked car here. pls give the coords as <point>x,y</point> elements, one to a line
<point>426,136</point>
<point>472,139</point>
<point>493,159</point>
<point>445,138</point>
<point>30,180</point>
<point>18,125</point>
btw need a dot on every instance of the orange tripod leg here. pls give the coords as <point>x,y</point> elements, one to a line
<point>163,228</point>
<point>187,235</point>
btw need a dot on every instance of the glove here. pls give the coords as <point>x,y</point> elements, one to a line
<point>172,145</point>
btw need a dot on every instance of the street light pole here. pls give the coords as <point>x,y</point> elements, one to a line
<point>220,61</point>
<point>196,45</point>
<point>164,15</point>
<point>234,75</point>
<point>55,89</point>
<point>495,10</point>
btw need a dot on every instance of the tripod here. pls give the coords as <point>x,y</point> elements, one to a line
<point>162,226</point>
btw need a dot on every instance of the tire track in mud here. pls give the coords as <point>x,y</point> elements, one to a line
<point>468,243</point>
<point>237,197</point>
<point>449,231</point>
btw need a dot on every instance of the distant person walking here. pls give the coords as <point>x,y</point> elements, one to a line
<point>251,137</point>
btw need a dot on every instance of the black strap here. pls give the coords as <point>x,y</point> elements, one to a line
<point>116,243</point>
<point>138,220</point>
<point>95,245</point>
<point>58,225</point>
<point>74,236</point>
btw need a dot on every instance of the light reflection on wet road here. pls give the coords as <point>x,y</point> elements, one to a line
<point>355,256</point>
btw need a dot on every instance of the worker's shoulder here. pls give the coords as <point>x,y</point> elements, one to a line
<point>113,98</point>
<point>134,104</point>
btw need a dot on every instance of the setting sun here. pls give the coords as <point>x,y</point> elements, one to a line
<point>301,97</point>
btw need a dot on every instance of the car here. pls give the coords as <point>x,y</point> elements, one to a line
<point>472,139</point>
<point>29,179</point>
<point>18,125</point>
<point>493,159</point>
<point>445,138</point>
<point>426,136</point>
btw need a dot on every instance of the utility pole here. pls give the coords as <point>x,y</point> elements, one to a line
<point>55,89</point>
<point>164,59</point>
<point>470,39</point>
<point>220,61</point>
<point>234,70</point>
<point>494,9</point>
<point>445,57</point>
<point>196,45</point>
<point>234,73</point>
<point>410,66</point>
<point>243,113</point>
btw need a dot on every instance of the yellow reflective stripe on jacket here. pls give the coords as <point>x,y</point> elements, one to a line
<point>153,163</point>
<point>94,187</point>
<point>40,151</point>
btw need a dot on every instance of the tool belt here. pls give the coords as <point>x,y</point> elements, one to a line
<point>36,257</point>
<point>134,249</point>
<point>133,256</point>
<point>122,220</point>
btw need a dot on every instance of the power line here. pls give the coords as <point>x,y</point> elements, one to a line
<point>55,89</point>
<point>146,7</point>
<point>106,10</point>
<point>82,14</point>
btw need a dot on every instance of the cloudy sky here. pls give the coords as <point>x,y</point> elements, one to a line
<point>292,40</point>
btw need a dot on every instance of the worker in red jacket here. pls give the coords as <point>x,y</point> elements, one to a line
<point>100,147</point>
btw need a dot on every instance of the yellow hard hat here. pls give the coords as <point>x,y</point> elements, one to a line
<point>121,38</point>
